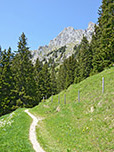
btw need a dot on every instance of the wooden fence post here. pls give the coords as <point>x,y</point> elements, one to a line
<point>52,98</point>
<point>58,99</point>
<point>78,95</point>
<point>64,98</point>
<point>43,98</point>
<point>103,85</point>
<point>46,97</point>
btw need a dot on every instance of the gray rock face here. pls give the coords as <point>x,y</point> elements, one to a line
<point>69,37</point>
<point>89,31</point>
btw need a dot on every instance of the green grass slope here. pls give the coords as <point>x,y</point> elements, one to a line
<point>14,132</point>
<point>87,126</point>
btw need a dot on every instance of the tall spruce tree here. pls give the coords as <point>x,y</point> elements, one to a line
<point>7,95</point>
<point>77,72</point>
<point>0,60</point>
<point>53,81</point>
<point>24,75</point>
<point>61,77</point>
<point>70,71</point>
<point>77,68</point>
<point>103,39</point>
<point>106,24</point>
<point>94,45</point>
<point>44,82</point>
<point>37,69</point>
<point>0,53</point>
<point>85,59</point>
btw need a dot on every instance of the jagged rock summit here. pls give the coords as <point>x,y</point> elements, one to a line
<point>69,37</point>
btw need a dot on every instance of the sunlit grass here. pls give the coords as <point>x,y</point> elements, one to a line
<point>79,127</point>
<point>14,132</point>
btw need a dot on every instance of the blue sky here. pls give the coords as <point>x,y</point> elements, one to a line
<point>42,20</point>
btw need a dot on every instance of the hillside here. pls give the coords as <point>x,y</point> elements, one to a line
<point>85,126</point>
<point>14,132</point>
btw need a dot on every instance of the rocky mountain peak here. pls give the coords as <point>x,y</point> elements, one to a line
<point>70,28</point>
<point>68,37</point>
<point>91,25</point>
<point>90,30</point>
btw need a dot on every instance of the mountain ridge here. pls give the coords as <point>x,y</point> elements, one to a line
<point>69,37</point>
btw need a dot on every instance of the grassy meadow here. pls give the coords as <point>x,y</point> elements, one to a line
<point>14,132</point>
<point>85,126</point>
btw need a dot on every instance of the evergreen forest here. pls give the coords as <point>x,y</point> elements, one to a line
<point>24,84</point>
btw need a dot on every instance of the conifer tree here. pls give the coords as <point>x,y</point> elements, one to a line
<point>103,39</point>
<point>0,53</point>
<point>0,60</point>
<point>7,95</point>
<point>53,81</point>
<point>61,77</point>
<point>37,69</point>
<point>95,44</point>
<point>77,68</point>
<point>106,23</point>
<point>24,75</point>
<point>77,72</point>
<point>44,82</point>
<point>70,65</point>
<point>38,65</point>
<point>85,59</point>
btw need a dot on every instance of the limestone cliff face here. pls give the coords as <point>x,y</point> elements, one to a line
<point>69,37</point>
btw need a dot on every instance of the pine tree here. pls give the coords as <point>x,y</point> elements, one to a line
<point>37,69</point>
<point>0,60</point>
<point>70,65</point>
<point>0,53</point>
<point>97,57</point>
<point>7,95</point>
<point>24,75</point>
<point>53,81</point>
<point>61,77</point>
<point>77,72</point>
<point>103,38</point>
<point>85,59</point>
<point>44,82</point>
<point>106,23</point>
<point>77,68</point>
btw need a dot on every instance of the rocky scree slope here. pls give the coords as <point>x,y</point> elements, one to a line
<point>69,37</point>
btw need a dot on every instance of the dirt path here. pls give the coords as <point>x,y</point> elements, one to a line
<point>32,133</point>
